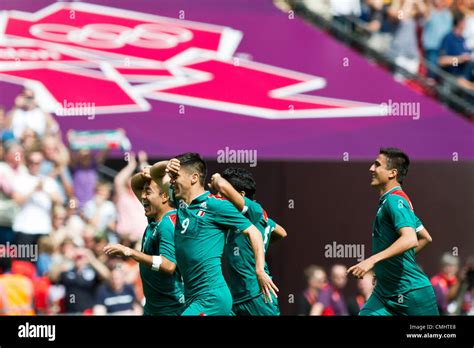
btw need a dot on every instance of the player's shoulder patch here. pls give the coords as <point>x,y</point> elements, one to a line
<point>172,218</point>
<point>400,193</point>
<point>265,215</point>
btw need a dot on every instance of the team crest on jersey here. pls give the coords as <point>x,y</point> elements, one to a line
<point>201,213</point>
<point>132,57</point>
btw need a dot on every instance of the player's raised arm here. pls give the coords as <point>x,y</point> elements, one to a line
<point>278,234</point>
<point>266,284</point>
<point>158,171</point>
<point>226,190</point>
<point>424,238</point>
<point>406,241</point>
<point>155,262</point>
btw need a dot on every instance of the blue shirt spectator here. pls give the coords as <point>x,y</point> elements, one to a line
<point>453,53</point>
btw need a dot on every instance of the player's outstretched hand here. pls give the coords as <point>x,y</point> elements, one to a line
<point>173,166</point>
<point>267,286</point>
<point>361,268</point>
<point>116,250</point>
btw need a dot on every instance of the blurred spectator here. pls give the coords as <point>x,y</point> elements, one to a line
<point>62,259</point>
<point>404,46</point>
<point>115,296</point>
<point>35,195</point>
<point>55,165</point>
<point>365,286</point>
<point>445,283</point>
<point>5,133</point>
<point>436,26</point>
<point>100,212</point>
<point>344,12</point>
<point>454,54</point>
<point>45,250</point>
<point>85,176</point>
<point>30,140</point>
<point>131,220</point>
<point>81,281</point>
<point>467,8</point>
<point>27,115</point>
<point>16,291</point>
<point>58,232</point>
<point>338,283</point>
<point>467,80</point>
<point>321,7</point>
<point>465,297</point>
<point>374,20</point>
<point>11,168</point>
<point>315,299</point>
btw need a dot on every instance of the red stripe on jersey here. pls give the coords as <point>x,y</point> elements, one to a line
<point>217,197</point>
<point>173,219</point>
<point>404,195</point>
<point>265,215</point>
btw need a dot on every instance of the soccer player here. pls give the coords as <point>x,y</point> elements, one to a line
<point>202,222</point>
<point>162,284</point>
<point>238,186</point>
<point>402,288</point>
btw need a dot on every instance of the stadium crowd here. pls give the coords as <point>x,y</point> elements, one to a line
<point>406,31</point>
<point>453,286</point>
<point>56,199</point>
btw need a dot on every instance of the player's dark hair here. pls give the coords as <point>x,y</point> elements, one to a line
<point>396,159</point>
<point>242,180</point>
<point>458,17</point>
<point>196,163</point>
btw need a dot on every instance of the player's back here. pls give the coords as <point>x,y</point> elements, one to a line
<point>200,237</point>
<point>240,259</point>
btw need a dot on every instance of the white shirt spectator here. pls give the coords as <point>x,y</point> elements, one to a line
<point>9,173</point>
<point>107,213</point>
<point>469,32</point>
<point>34,216</point>
<point>23,119</point>
<point>345,7</point>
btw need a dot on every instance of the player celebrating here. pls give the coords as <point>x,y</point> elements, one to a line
<point>162,283</point>
<point>238,186</point>
<point>402,288</point>
<point>202,221</point>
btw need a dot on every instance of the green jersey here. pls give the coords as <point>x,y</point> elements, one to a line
<point>163,292</point>
<point>400,273</point>
<point>239,255</point>
<point>200,237</point>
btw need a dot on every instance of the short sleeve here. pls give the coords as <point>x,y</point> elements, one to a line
<point>401,213</point>
<point>230,217</point>
<point>167,240</point>
<point>252,211</point>
<point>418,224</point>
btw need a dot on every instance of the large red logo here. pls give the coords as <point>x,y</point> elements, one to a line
<point>76,53</point>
